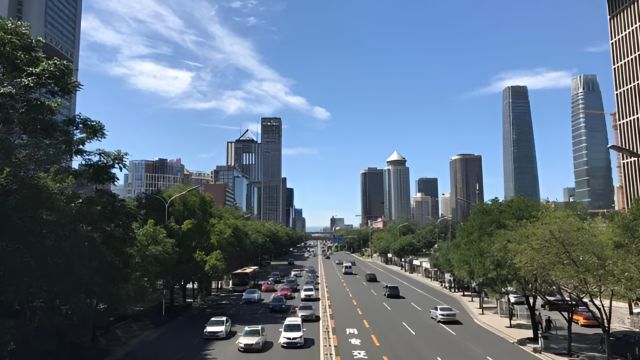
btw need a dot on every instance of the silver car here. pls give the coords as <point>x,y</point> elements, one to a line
<point>443,313</point>
<point>253,338</point>
<point>307,312</point>
<point>218,327</point>
<point>251,295</point>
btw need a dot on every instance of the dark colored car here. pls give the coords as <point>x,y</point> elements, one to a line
<point>290,262</point>
<point>327,256</point>
<point>292,283</point>
<point>276,277</point>
<point>560,304</point>
<point>391,291</point>
<point>625,344</point>
<point>371,277</point>
<point>278,304</point>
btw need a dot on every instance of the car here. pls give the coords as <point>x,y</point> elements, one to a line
<point>253,338</point>
<point>583,317</point>
<point>339,262</point>
<point>516,299</point>
<point>218,327</point>
<point>306,312</point>
<point>624,343</point>
<point>443,313</point>
<point>391,291</point>
<point>268,286</point>
<point>296,272</point>
<point>290,261</point>
<point>309,282</point>
<point>347,269</point>
<point>308,293</point>
<point>327,257</point>
<point>278,303</point>
<point>371,277</point>
<point>292,333</point>
<point>286,292</point>
<point>251,296</point>
<point>558,303</point>
<point>292,282</point>
<point>276,277</point>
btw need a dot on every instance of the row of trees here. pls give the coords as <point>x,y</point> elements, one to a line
<point>535,250</point>
<point>69,248</point>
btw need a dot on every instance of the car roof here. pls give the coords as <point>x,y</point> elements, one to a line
<point>219,318</point>
<point>293,320</point>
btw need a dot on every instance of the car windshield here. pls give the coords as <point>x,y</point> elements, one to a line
<point>292,328</point>
<point>445,308</point>
<point>305,307</point>
<point>277,299</point>
<point>252,292</point>
<point>307,288</point>
<point>216,322</point>
<point>251,332</point>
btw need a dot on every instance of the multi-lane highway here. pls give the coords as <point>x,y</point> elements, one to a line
<point>370,326</point>
<point>182,339</point>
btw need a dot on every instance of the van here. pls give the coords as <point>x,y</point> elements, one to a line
<point>346,269</point>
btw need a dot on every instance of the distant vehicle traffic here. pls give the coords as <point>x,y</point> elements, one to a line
<point>286,292</point>
<point>291,282</point>
<point>290,261</point>
<point>339,262</point>
<point>306,312</point>
<point>251,296</point>
<point>267,286</point>
<point>253,338</point>
<point>346,269</point>
<point>371,277</point>
<point>391,291</point>
<point>296,272</point>
<point>443,313</point>
<point>218,327</point>
<point>244,278</point>
<point>308,293</point>
<point>278,303</point>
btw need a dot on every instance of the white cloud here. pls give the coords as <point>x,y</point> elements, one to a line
<point>535,79</point>
<point>598,48</point>
<point>149,41</point>
<point>299,151</point>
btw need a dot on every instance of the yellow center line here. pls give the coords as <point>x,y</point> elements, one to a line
<point>383,358</point>
<point>354,302</point>
<point>375,340</point>
<point>359,311</point>
<point>366,323</point>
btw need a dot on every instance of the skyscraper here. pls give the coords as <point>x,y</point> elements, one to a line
<point>58,23</point>
<point>245,154</point>
<point>591,162</point>
<point>149,176</point>
<point>271,130</point>
<point>466,185</point>
<point>429,187</point>
<point>519,149</point>
<point>445,204</point>
<point>421,208</point>
<point>397,193</point>
<point>371,195</point>
<point>624,32</point>
<point>569,194</point>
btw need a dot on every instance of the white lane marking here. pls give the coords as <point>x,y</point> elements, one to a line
<point>416,306</point>
<point>409,285</point>
<point>447,329</point>
<point>387,306</point>
<point>408,328</point>
<point>488,358</point>
<point>364,283</point>
<point>374,293</point>
<point>438,358</point>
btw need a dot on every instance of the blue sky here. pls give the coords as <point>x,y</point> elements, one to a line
<point>352,81</point>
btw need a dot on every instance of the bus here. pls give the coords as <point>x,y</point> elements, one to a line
<point>244,278</point>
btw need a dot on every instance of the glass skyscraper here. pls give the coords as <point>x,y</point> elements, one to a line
<point>591,161</point>
<point>371,195</point>
<point>467,187</point>
<point>397,202</point>
<point>271,130</point>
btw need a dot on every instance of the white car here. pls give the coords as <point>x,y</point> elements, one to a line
<point>306,312</point>
<point>292,333</point>
<point>253,338</point>
<point>443,313</point>
<point>296,272</point>
<point>308,293</point>
<point>218,327</point>
<point>251,295</point>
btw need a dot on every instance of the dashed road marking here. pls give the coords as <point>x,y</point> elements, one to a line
<point>354,302</point>
<point>374,293</point>
<point>447,329</point>
<point>364,283</point>
<point>488,358</point>
<point>409,285</point>
<point>359,311</point>
<point>408,328</point>
<point>416,306</point>
<point>335,340</point>
<point>387,306</point>
<point>375,340</point>
<point>366,323</point>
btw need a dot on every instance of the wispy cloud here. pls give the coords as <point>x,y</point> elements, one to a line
<point>149,40</point>
<point>299,151</point>
<point>535,79</point>
<point>598,48</point>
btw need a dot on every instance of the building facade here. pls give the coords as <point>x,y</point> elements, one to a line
<point>245,154</point>
<point>422,208</point>
<point>300,223</point>
<point>519,149</point>
<point>467,187</point>
<point>237,181</point>
<point>149,176</point>
<point>397,198</point>
<point>569,194</point>
<point>371,195</point>
<point>429,187</point>
<point>445,205</point>
<point>336,222</point>
<point>271,132</point>
<point>591,161</point>
<point>624,34</point>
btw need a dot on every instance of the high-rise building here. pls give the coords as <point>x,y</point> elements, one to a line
<point>591,161</point>
<point>421,208</point>
<point>466,185</point>
<point>429,187</point>
<point>149,176</point>
<point>624,33</point>
<point>397,198</point>
<point>335,222</point>
<point>289,208</point>
<point>519,149</point>
<point>300,223</point>
<point>245,154</point>
<point>58,23</point>
<point>371,195</point>
<point>271,130</point>
<point>237,181</point>
<point>445,204</point>
<point>569,194</point>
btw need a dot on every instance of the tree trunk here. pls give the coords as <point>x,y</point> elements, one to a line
<point>535,328</point>
<point>183,289</point>
<point>569,332</point>
<point>630,304</point>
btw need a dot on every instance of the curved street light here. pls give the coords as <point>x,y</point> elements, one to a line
<point>167,202</point>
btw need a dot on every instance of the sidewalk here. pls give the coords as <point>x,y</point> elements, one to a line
<point>517,334</point>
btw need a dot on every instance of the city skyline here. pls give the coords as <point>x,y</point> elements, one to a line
<point>190,99</point>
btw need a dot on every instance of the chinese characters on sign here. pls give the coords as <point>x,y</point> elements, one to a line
<point>357,354</point>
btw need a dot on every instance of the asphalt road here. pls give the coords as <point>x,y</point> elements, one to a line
<point>370,326</point>
<point>182,339</point>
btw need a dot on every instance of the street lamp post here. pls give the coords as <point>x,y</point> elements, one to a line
<point>438,232</point>
<point>399,226</point>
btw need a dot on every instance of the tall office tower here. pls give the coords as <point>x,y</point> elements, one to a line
<point>429,187</point>
<point>445,204</point>
<point>421,208</point>
<point>591,162</point>
<point>397,198</point>
<point>371,195</point>
<point>569,194</point>
<point>58,23</point>
<point>624,32</point>
<point>149,176</point>
<point>288,207</point>
<point>300,223</point>
<point>518,145</point>
<point>271,130</point>
<point>237,181</point>
<point>466,185</point>
<point>244,154</point>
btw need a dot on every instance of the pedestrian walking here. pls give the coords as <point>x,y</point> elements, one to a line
<point>548,324</point>
<point>539,321</point>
